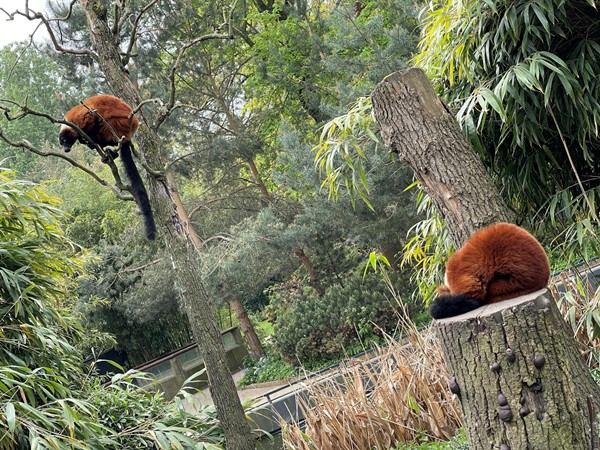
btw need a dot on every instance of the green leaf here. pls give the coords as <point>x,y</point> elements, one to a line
<point>11,418</point>
<point>491,99</point>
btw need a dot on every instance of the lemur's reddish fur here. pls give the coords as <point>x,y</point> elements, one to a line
<point>499,262</point>
<point>106,120</point>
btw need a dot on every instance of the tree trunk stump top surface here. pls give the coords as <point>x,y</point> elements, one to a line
<point>520,379</point>
<point>540,297</point>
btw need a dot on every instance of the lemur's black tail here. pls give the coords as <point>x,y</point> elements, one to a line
<point>138,190</point>
<point>449,305</point>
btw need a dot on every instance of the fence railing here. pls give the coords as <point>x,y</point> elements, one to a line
<point>172,369</point>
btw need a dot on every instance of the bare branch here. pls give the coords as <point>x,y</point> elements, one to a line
<point>117,190</point>
<point>219,237</point>
<point>173,71</point>
<point>145,102</point>
<point>32,15</point>
<point>118,23</point>
<point>179,158</point>
<point>142,267</point>
<point>134,30</point>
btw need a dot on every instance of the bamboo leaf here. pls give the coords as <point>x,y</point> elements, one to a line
<point>491,99</point>
<point>11,418</point>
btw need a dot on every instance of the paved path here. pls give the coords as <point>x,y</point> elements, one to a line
<point>255,391</point>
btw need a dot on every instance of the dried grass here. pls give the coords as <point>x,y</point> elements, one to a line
<point>375,405</point>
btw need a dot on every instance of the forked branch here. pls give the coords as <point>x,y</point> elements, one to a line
<point>32,15</point>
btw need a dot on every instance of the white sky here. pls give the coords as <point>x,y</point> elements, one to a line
<point>20,28</point>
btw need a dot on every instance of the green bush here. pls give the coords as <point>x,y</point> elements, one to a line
<point>458,442</point>
<point>268,368</point>
<point>145,420</point>
<point>347,317</point>
<point>47,400</point>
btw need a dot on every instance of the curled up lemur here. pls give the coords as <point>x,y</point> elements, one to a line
<point>499,262</point>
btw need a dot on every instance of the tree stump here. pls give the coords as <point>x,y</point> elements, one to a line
<point>520,380</point>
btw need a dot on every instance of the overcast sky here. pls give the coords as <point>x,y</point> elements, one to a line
<point>20,28</point>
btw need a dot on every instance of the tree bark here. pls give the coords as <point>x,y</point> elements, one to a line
<point>254,345</point>
<point>312,274</point>
<point>182,214</point>
<point>417,126</point>
<point>519,378</point>
<point>177,238</point>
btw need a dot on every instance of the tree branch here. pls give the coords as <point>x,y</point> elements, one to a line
<point>134,30</point>
<point>170,106</point>
<point>32,15</point>
<point>142,267</point>
<point>28,146</point>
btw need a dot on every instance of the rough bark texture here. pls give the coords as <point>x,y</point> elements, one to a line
<point>520,380</point>
<point>254,345</point>
<point>417,126</point>
<point>177,237</point>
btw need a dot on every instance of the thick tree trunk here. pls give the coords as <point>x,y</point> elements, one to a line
<point>416,125</point>
<point>177,238</point>
<point>254,346</point>
<point>519,378</point>
<point>516,370</point>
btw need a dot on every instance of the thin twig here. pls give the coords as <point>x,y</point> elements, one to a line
<point>142,267</point>
<point>173,71</point>
<point>32,15</point>
<point>134,30</point>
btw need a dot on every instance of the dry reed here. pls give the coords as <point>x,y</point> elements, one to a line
<point>396,397</point>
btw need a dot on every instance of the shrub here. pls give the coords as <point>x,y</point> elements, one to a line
<point>314,327</point>
<point>267,368</point>
<point>46,399</point>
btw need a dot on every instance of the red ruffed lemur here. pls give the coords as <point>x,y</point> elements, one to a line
<point>499,262</point>
<point>106,120</point>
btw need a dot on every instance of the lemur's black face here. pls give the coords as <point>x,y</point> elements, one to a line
<point>67,137</point>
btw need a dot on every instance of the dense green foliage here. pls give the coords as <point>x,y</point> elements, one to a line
<point>522,77</point>
<point>47,398</point>
<point>342,321</point>
<point>268,368</point>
